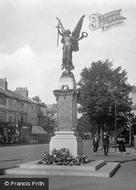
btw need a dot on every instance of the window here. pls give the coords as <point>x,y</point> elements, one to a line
<point>11,116</point>
<point>2,99</point>
<point>23,118</point>
<point>10,104</point>
<point>22,104</point>
<point>32,107</point>
<point>3,115</point>
<point>15,104</point>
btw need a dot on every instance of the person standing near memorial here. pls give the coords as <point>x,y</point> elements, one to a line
<point>121,142</point>
<point>106,143</point>
<point>95,143</point>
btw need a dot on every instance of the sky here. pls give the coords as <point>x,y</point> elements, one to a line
<point>29,56</point>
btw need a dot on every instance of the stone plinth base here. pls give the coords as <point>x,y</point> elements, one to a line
<point>67,139</point>
<point>97,168</point>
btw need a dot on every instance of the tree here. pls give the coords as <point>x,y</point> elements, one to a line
<point>37,99</point>
<point>103,91</point>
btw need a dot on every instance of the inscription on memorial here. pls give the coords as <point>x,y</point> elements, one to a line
<point>65,113</point>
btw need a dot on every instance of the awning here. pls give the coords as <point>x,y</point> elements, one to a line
<point>38,130</point>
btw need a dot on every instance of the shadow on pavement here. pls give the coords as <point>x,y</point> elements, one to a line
<point>109,155</point>
<point>131,160</point>
<point>11,160</point>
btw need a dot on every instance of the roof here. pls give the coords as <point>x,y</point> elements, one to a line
<point>38,130</point>
<point>13,94</point>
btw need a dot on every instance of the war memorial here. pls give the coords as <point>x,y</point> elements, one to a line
<point>66,136</point>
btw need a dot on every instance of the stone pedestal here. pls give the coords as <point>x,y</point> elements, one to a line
<point>69,140</point>
<point>66,136</point>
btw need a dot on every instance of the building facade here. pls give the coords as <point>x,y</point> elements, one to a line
<point>18,113</point>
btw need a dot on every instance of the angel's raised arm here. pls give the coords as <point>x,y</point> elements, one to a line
<point>60,27</point>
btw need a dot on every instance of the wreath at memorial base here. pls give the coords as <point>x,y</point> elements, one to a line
<point>62,157</point>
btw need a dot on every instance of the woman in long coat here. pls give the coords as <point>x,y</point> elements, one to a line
<point>95,143</point>
<point>121,143</point>
<point>106,143</point>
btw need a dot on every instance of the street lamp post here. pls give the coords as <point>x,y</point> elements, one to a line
<point>115,133</point>
<point>115,111</point>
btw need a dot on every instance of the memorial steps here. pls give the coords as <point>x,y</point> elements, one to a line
<point>96,168</point>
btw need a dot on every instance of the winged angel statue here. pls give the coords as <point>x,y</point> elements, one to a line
<point>70,42</point>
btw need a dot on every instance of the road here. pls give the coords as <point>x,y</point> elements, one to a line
<point>124,179</point>
<point>13,155</point>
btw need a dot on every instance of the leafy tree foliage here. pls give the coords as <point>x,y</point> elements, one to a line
<point>37,99</point>
<point>104,92</point>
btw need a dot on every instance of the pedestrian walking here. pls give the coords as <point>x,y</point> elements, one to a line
<point>120,141</point>
<point>95,143</point>
<point>106,143</point>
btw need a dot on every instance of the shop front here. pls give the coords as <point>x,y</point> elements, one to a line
<point>9,133</point>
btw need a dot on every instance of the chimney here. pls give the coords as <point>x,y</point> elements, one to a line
<point>22,91</point>
<point>3,84</point>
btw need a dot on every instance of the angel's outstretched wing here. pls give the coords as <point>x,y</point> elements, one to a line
<point>60,25</point>
<point>77,29</point>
